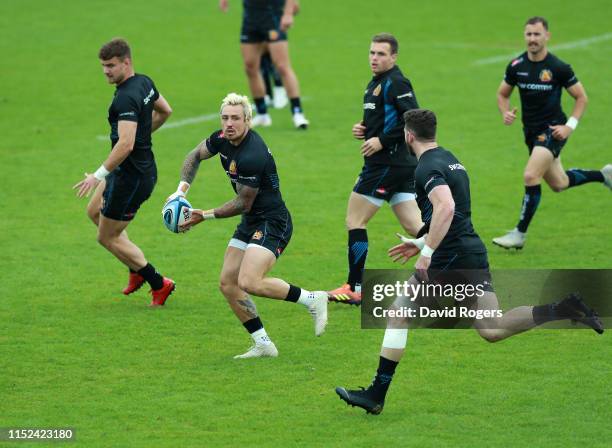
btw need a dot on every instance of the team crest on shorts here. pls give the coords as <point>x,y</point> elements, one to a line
<point>381,190</point>
<point>541,138</point>
<point>257,235</point>
<point>232,168</point>
<point>546,75</point>
<point>273,35</point>
<point>376,91</point>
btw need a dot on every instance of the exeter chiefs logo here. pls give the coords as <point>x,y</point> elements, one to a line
<point>232,168</point>
<point>541,138</point>
<point>273,35</point>
<point>257,235</point>
<point>376,91</point>
<point>545,75</point>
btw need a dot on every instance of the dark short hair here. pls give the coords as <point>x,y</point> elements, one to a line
<point>389,39</point>
<point>422,123</point>
<point>116,47</point>
<point>537,19</point>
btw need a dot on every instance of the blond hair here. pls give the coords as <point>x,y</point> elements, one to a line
<point>233,99</point>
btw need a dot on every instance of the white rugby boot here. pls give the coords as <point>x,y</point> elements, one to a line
<point>511,240</point>
<point>300,121</point>
<point>260,351</point>
<point>263,120</point>
<point>318,311</point>
<point>280,99</point>
<point>607,174</point>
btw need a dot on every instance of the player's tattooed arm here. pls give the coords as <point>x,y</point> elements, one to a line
<point>192,162</point>
<point>248,306</point>
<point>240,204</point>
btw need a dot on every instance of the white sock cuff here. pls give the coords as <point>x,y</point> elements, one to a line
<point>306,297</point>
<point>261,337</point>
<point>395,338</point>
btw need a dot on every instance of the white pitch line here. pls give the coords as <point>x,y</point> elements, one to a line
<point>566,46</point>
<point>178,123</point>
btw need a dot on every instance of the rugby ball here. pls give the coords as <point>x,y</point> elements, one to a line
<point>175,213</point>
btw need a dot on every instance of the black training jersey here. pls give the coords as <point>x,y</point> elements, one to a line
<point>133,101</point>
<point>540,85</point>
<point>251,164</point>
<point>386,98</point>
<point>440,167</point>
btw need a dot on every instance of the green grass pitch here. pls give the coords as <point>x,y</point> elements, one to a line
<point>76,353</point>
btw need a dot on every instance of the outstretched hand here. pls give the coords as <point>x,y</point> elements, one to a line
<point>86,186</point>
<point>197,216</point>
<point>404,251</point>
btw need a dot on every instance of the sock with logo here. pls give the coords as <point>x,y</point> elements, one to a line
<point>357,254</point>
<point>257,331</point>
<point>382,380</point>
<point>296,105</point>
<point>260,106</point>
<point>531,200</point>
<point>578,177</point>
<point>152,277</point>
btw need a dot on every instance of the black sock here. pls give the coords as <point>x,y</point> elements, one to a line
<point>152,276</point>
<point>260,105</point>
<point>384,375</point>
<point>357,254</point>
<point>554,311</point>
<point>529,207</point>
<point>253,325</point>
<point>578,177</point>
<point>278,82</point>
<point>265,67</point>
<point>296,105</point>
<point>294,293</point>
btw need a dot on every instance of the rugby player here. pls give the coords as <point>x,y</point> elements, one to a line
<point>388,170</point>
<point>449,244</point>
<point>128,175</point>
<point>263,28</point>
<point>541,77</point>
<point>264,230</point>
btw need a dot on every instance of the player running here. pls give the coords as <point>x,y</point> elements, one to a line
<point>128,175</point>
<point>388,169</point>
<point>540,77</point>
<point>264,230</point>
<point>449,244</point>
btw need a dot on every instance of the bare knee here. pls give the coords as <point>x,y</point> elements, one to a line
<point>490,335</point>
<point>249,284</point>
<point>557,188</point>
<point>228,285</point>
<point>105,240</point>
<point>355,222</point>
<point>93,213</point>
<point>531,178</point>
<point>251,68</point>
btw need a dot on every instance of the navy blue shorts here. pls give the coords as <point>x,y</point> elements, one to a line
<point>125,192</point>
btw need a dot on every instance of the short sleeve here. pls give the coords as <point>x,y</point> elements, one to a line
<point>127,107</point>
<point>510,76</point>
<point>428,176</point>
<point>567,77</point>
<point>214,142</point>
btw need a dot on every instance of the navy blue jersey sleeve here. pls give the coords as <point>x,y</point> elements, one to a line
<point>510,76</point>
<point>214,142</point>
<point>399,97</point>
<point>567,77</point>
<point>250,171</point>
<point>128,108</point>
